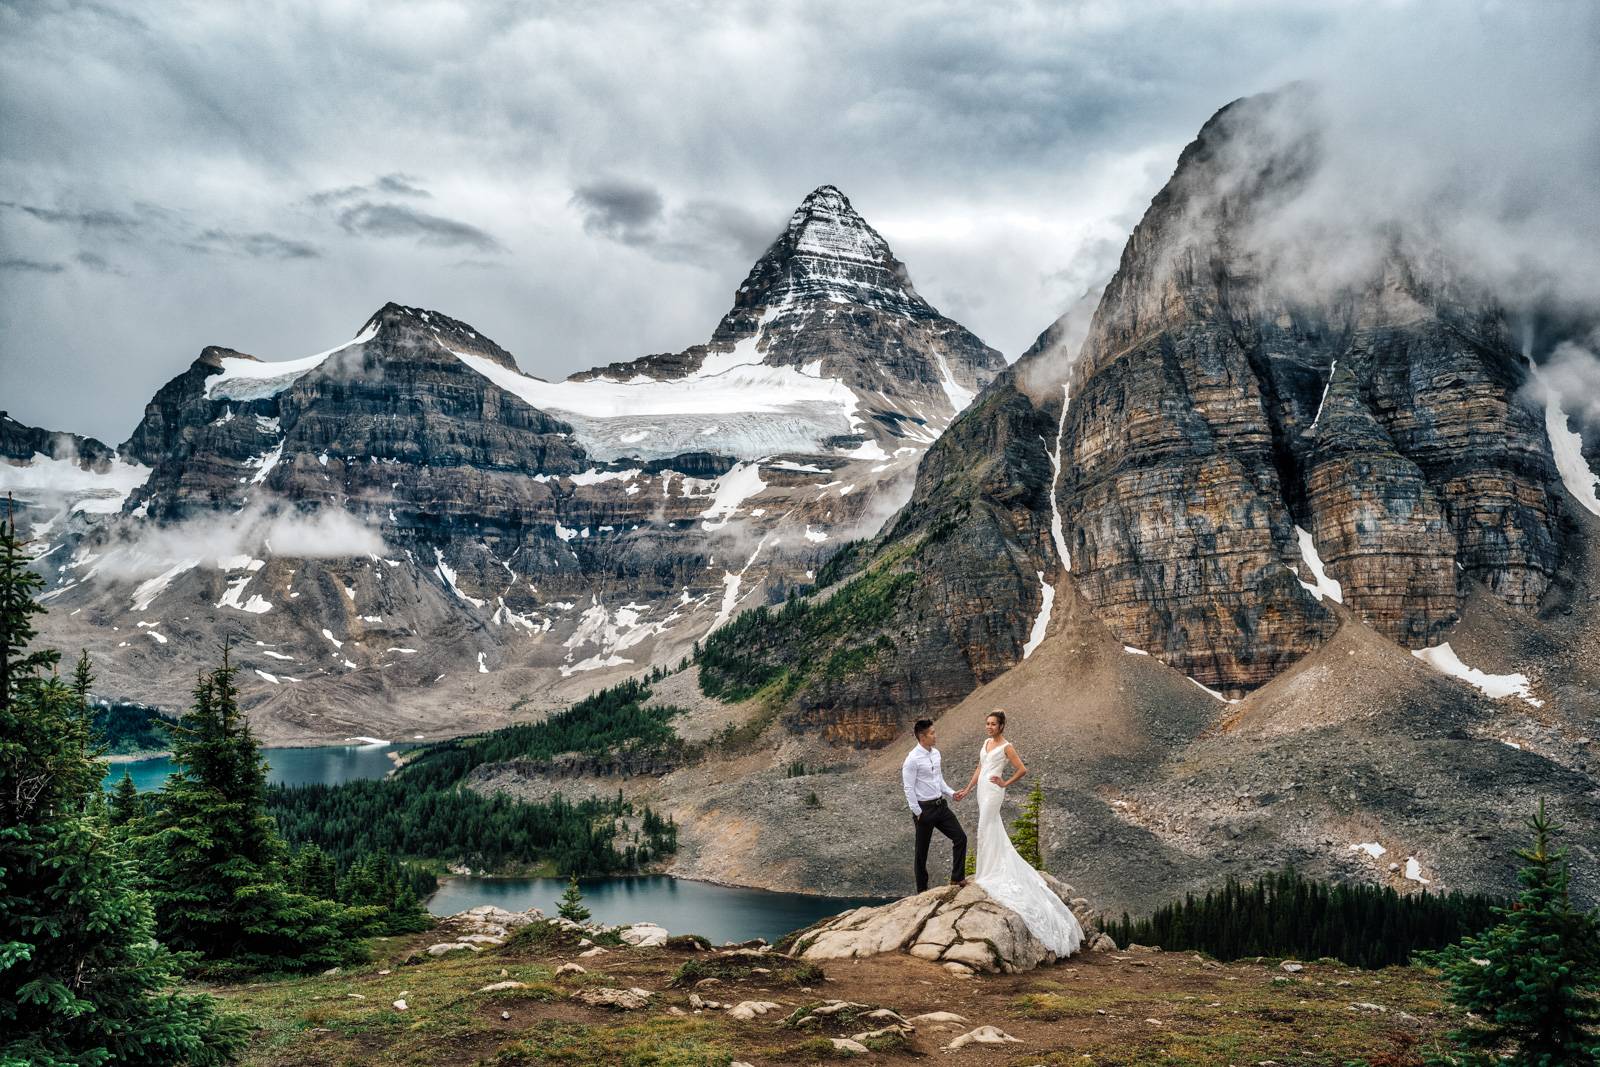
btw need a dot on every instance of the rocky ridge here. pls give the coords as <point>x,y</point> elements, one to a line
<point>406,525</point>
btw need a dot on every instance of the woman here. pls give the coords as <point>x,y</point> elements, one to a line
<point>1002,873</point>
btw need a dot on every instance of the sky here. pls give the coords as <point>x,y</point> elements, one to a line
<point>590,182</point>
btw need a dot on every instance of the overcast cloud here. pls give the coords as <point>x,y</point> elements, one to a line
<point>590,182</point>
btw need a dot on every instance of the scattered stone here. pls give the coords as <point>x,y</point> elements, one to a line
<point>480,939</point>
<point>1146,949</point>
<point>834,1007</point>
<point>1153,1022</point>
<point>385,971</point>
<point>885,1032</point>
<point>495,987</point>
<point>1103,943</point>
<point>644,935</point>
<point>356,996</point>
<point>1367,1005</point>
<point>1292,967</point>
<point>445,947</point>
<point>331,971</point>
<point>615,999</point>
<point>983,1035</point>
<point>566,969</point>
<point>960,970</point>
<point>400,1005</point>
<point>591,953</point>
<point>930,1018</point>
<point>846,1044</point>
<point>749,1009</point>
<point>884,1015</point>
<point>704,982</point>
<point>505,1015</point>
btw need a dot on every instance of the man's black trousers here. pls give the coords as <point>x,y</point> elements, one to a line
<point>936,815</point>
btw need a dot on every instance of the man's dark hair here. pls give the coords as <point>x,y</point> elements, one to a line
<point>922,726</point>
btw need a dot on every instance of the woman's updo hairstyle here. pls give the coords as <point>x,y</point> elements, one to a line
<point>999,717</point>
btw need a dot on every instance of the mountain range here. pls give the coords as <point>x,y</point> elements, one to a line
<point>1271,563</point>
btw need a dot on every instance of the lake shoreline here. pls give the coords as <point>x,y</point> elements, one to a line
<point>449,878</point>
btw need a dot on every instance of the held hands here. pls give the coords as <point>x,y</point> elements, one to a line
<point>959,795</point>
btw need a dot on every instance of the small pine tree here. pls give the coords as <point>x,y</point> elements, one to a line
<point>124,801</point>
<point>1533,981</point>
<point>572,902</point>
<point>1025,831</point>
<point>82,982</point>
<point>217,867</point>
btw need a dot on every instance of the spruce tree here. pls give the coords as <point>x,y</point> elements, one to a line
<point>1025,831</point>
<point>82,983</point>
<point>218,869</point>
<point>572,902</point>
<point>124,801</point>
<point>1533,981</point>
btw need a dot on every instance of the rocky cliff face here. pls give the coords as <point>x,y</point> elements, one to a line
<point>1231,455</point>
<point>1229,429</point>
<point>407,524</point>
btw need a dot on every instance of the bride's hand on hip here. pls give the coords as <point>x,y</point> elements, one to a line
<point>997,780</point>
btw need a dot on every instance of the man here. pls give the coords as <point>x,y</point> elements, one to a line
<point>922,774</point>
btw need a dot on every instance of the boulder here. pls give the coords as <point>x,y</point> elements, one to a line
<point>644,935</point>
<point>614,999</point>
<point>961,927</point>
<point>983,1035</point>
<point>749,1009</point>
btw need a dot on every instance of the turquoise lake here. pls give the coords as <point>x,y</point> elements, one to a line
<point>286,766</point>
<point>720,913</point>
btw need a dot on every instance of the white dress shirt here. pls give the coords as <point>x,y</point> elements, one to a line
<point>922,774</point>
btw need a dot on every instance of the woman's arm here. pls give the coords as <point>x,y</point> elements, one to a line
<point>1016,761</point>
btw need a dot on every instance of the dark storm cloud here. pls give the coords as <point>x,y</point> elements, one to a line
<point>101,220</point>
<point>635,214</point>
<point>255,245</point>
<point>95,262</point>
<point>397,220</point>
<point>32,266</point>
<point>623,211</point>
<point>386,184</point>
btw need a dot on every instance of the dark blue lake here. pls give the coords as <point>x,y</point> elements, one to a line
<point>718,912</point>
<point>286,766</point>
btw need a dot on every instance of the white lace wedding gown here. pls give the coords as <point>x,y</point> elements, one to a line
<point>1007,877</point>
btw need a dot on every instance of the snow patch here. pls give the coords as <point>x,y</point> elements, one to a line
<point>146,592</point>
<point>734,488</point>
<point>1567,448</point>
<point>1443,659</point>
<point>1322,586</point>
<point>251,379</point>
<point>1371,848</point>
<point>1041,623</point>
<point>1414,871</point>
<point>1056,531</point>
<point>481,668</point>
<point>268,677</point>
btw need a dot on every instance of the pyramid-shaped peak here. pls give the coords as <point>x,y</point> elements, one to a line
<point>828,252</point>
<point>825,224</point>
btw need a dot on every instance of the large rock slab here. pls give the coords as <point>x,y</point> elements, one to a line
<point>959,925</point>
